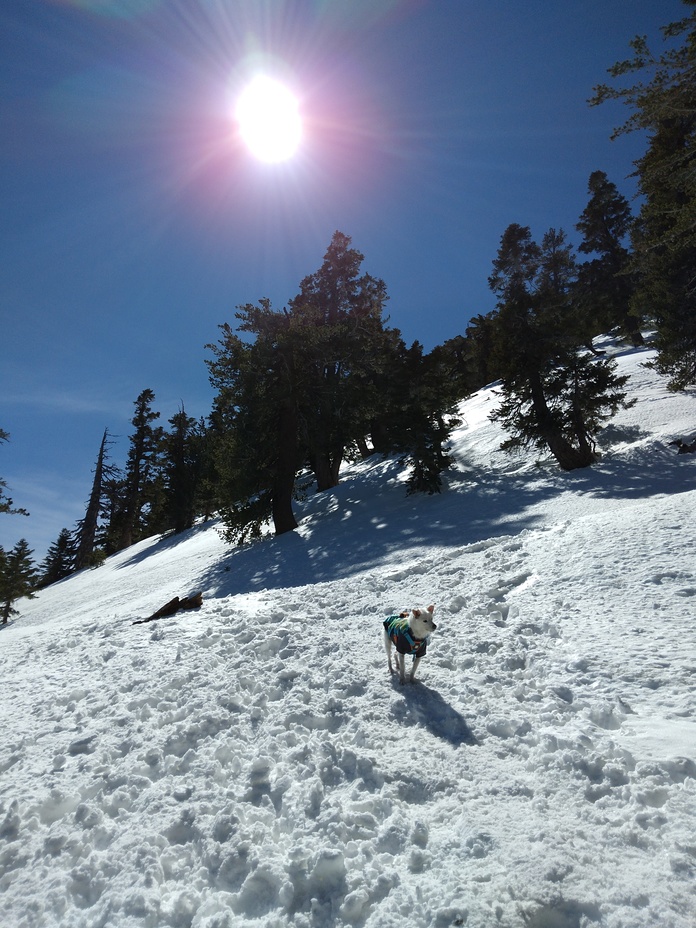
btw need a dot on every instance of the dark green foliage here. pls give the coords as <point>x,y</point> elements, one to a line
<point>6,503</point>
<point>663,104</point>
<point>606,282</point>
<point>309,385</point>
<point>59,561</point>
<point>142,491</point>
<point>479,340</point>
<point>86,553</point>
<point>181,468</point>
<point>419,394</point>
<point>554,394</point>
<point>255,422</point>
<point>342,349</point>
<point>18,578</point>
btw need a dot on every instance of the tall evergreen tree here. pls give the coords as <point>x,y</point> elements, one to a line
<point>18,578</point>
<point>554,396</point>
<point>59,560</point>
<point>341,346</point>
<point>86,532</point>
<point>663,104</point>
<point>479,337</point>
<point>310,384</point>
<point>204,441</point>
<point>140,471</point>
<point>607,282</point>
<point>256,420</point>
<point>181,467</point>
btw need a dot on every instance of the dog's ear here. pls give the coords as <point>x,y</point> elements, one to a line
<point>431,609</point>
<point>416,612</point>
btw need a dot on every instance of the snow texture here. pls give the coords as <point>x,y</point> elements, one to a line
<point>253,764</point>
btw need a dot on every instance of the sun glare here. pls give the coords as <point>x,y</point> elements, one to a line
<point>269,120</point>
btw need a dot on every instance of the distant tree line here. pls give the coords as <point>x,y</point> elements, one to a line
<point>301,390</point>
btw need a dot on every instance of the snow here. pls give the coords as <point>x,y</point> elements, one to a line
<point>253,765</point>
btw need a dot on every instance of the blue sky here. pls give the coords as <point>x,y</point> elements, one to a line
<point>133,222</point>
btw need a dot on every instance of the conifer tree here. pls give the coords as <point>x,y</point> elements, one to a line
<point>607,282</point>
<point>181,466</point>
<point>18,578</point>
<point>308,386</point>
<point>341,345</point>
<point>59,561</point>
<point>419,394</point>
<point>479,337</point>
<point>6,503</point>
<point>204,441</point>
<point>256,419</point>
<point>663,104</point>
<point>554,396</point>
<point>86,531</point>
<point>140,471</point>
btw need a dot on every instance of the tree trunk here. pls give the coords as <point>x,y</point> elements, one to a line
<point>326,467</point>
<point>632,327</point>
<point>336,466</point>
<point>283,517</point>
<point>379,437</point>
<point>284,479</point>
<point>363,448</point>
<point>568,457</point>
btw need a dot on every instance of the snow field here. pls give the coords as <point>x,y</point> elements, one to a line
<point>253,765</point>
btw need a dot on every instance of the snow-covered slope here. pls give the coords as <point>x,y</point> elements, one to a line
<point>253,764</point>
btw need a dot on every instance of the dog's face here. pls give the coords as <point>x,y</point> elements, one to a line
<point>422,623</point>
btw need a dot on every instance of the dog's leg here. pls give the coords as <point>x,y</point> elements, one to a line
<point>388,649</point>
<point>401,658</point>
<point>416,662</point>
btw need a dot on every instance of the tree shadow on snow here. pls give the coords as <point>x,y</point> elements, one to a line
<point>651,470</point>
<point>344,530</point>
<point>361,523</point>
<point>423,706</point>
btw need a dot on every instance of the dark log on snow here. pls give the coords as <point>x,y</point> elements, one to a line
<point>683,447</point>
<point>172,607</point>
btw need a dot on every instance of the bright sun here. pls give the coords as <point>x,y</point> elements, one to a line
<point>269,120</point>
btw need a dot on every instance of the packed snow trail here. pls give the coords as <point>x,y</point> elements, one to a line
<point>254,765</point>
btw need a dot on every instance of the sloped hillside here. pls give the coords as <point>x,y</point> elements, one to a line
<point>253,764</point>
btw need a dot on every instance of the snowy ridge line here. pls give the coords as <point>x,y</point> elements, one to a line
<point>253,765</point>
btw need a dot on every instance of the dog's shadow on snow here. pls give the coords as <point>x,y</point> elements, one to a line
<point>424,706</point>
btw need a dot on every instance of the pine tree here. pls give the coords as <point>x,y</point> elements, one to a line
<point>663,104</point>
<point>606,283</point>
<point>554,395</point>
<point>307,385</point>
<point>18,578</point>
<point>181,467</point>
<point>256,422</point>
<point>418,397</point>
<point>6,503</point>
<point>86,532</point>
<point>59,561</point>
<point>140,472</point>
<point>204,441</point>
<point>341,346</point>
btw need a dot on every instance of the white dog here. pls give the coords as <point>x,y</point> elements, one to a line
<point>409,632</point>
